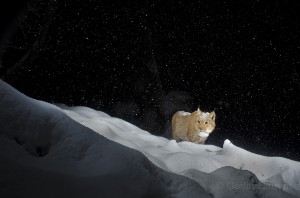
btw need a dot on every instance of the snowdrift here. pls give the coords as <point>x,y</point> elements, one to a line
<point>51,151</point>
<point>188,159</point>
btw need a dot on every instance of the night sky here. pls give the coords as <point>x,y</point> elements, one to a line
<point>144,60</point>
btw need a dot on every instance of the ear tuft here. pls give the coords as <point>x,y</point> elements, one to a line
<point>198,111</point>
<point>213,115</point>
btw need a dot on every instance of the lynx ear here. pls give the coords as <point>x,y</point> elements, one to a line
<point>212,115</point>
<point>199,111</point>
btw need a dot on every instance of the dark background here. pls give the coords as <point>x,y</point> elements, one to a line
<point>144,60</point>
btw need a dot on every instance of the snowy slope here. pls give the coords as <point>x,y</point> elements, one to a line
<point>45,153</point>
<point>181,157</point>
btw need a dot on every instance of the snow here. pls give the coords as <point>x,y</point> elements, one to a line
<point>183,113</point>
<point>61,151</point>
<point>273,171</point>
<point>204,115</point>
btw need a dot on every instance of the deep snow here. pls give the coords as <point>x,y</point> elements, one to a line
<point>48,151</point>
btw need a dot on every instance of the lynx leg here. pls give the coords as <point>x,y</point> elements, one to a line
<point>175,137</point>
<point>195,139</point>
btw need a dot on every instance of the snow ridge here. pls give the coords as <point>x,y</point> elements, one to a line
<point>58,146</point>
<point>183,156</point>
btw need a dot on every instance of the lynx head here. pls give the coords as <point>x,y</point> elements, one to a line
<point>205,122</point>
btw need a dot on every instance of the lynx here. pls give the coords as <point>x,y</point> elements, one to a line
<point>194,127</point>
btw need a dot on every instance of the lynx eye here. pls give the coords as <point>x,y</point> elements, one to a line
<point>198,121</point>
<point>206,122</point>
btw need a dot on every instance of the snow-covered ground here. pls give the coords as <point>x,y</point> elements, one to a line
<point>185,157</point>
<point>51,151</point>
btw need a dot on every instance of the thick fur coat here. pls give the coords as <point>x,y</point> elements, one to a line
<point>194,127</point>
